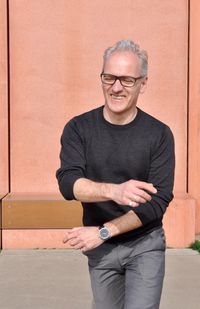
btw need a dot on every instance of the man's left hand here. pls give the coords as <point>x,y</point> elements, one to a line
<point>83,238</point>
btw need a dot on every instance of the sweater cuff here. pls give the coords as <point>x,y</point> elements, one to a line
<point>66,186</point>
<point>145,213</point>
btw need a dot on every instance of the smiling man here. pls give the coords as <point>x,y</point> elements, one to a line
<point>119,162</point>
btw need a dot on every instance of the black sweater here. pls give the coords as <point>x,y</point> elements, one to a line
<point>103,152</point>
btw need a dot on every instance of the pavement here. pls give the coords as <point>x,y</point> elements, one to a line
<point>58,279</point>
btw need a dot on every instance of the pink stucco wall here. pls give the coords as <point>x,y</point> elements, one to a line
<point>194,108</point>
<point>56,52</point>
<point>3,100</point>
<point>56,58</point>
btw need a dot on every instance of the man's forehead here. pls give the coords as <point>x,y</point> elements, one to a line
<point>124,60</point>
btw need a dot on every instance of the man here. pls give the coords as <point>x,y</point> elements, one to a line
<point>119,162</point>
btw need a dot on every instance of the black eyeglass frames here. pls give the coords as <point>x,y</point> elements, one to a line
<point>126,81</point>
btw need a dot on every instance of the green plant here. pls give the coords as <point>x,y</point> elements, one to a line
<point>195,245</point>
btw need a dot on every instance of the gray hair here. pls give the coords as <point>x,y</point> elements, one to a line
<point>128,45</point>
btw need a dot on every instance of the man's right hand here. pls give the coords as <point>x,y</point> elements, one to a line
<point>132,192</point>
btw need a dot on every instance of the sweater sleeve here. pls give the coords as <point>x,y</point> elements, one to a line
<point>161,175</point>
<point>72,160</point>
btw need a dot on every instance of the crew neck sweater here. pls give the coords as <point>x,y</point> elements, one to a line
<point>96,149</point>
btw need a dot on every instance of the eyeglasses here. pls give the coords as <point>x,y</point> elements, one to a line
<point>126,81</point>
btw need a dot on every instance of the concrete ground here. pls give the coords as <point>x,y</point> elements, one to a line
<point>58,279</point>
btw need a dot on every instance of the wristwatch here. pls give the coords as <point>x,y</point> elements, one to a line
<point>104,232</point>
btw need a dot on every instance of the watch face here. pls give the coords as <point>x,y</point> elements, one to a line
<point>104,233</point>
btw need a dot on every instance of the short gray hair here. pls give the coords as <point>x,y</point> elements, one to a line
<point>128,45</point>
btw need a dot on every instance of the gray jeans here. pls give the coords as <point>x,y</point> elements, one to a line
<point>128,275</point>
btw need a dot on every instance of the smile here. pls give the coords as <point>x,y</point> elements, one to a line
<point>117,97</point>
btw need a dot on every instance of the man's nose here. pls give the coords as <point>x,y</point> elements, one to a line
<point>117,86</point>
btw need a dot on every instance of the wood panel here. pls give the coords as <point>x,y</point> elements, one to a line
<point>40,211</point>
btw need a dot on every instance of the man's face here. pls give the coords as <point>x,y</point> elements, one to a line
<point>120,99</point>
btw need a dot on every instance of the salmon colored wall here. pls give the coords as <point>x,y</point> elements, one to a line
<point>56,57</point>
<point>194,107</point>
<point>3,100</point>
<point>56,52</point>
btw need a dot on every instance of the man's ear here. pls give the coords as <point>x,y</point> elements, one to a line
<point>143,84</point>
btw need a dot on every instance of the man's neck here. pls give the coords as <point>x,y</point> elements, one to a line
<point>119,119</point>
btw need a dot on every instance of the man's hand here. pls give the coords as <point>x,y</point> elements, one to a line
<point>132,192</point>
<point>83,238</point>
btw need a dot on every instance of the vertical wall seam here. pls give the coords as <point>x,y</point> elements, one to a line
<point>8,95</point>
<point>188,98</point>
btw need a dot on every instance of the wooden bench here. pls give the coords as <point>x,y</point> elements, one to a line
<point>37,220</point>
<point>41,220</point>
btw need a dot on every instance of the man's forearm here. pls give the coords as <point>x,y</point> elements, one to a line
<point>87,237</point>
<point>88,191</point>
<point>131,192</point>
<point>125,223</point>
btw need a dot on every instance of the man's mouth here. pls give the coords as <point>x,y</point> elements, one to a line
<point>117,97</point>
